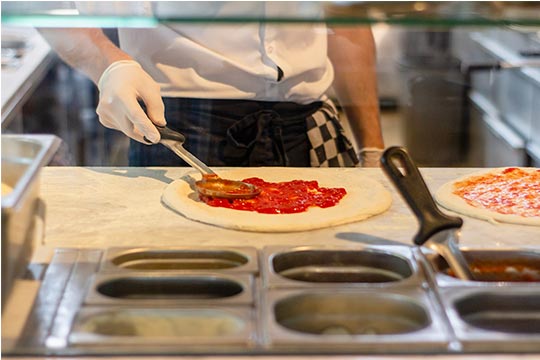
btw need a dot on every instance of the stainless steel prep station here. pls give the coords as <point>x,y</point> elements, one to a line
<point>121,274</point>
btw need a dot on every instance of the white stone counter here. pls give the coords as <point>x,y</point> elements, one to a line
<point>102,207</point>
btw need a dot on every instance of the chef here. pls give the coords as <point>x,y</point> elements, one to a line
<point>243,94</point>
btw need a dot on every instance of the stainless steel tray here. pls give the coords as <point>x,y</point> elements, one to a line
<point>161,289</point>
<point>85,307</point>
<point>494,319</point>
<point>23,156</point>
<point>178,259</point>
<point>359,266</point>
<point>490,266</point>
<point>348,320</point>
<point>123,328</point>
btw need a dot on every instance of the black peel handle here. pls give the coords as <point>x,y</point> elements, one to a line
<point>414,190</point>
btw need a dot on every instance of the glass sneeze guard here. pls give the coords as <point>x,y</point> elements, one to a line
<point>149,14</point>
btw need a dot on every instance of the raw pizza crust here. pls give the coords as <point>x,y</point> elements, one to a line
<point>365,197</point>
<point>445,197</point>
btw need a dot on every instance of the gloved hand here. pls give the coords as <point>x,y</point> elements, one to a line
<point>120,86</point>
<point>370,156</point>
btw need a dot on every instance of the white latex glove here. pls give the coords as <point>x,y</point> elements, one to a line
<point>370,157</point>
<point>120,86</point>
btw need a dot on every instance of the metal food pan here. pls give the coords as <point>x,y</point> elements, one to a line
<point>23,156</point>
<point>496,319</point>
<point>490,267</point>
<point>310,266</point>
<point>178,259</point>
<point>137,289</point>
<point>120,329</point>
<point>315,320</point>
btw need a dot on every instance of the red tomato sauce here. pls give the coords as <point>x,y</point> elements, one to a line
<point>503,272</point>
<point>512,192</point>
<point>287,197</point>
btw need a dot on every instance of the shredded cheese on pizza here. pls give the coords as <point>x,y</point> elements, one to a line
<point>513,191</point>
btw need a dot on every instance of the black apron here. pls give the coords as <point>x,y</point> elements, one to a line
<point>250,133</point>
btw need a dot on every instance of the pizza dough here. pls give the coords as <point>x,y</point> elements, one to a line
<point>446,198</point>
<point>365,197</point>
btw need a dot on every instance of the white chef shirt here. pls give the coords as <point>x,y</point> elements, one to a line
<point>249,60</point>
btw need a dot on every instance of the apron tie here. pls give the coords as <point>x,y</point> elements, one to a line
<point>256,140</point>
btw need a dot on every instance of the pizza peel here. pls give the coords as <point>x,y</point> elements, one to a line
<point>211,184</point>
<point>437,231</point>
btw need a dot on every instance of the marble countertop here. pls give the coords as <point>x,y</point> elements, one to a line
<point>102,207</point>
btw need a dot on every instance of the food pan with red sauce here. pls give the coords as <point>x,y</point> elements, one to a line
<point>495,265</point>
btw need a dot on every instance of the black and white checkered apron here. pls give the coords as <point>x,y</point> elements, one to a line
<point>252,133</point>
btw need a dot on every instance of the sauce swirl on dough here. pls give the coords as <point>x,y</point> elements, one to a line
<point>287,197</point>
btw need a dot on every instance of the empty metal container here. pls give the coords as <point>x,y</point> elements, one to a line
<point>339,266</point>
<point>158,289</point>
<point>229,259</point>
<point>343,320</point>
<point>495,319</point>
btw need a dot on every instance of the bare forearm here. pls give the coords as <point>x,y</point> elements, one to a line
<point>87,50</point>
<point>352,52</point>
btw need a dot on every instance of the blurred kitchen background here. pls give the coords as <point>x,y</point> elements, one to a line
<point>455,96</point>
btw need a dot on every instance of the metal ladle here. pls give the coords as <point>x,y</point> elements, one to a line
<point>211,184</point>
<point>438,231</point>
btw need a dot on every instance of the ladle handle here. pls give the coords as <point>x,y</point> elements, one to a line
<point>173,140</point>
<point>168,134</point>
<point>416,193</point>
